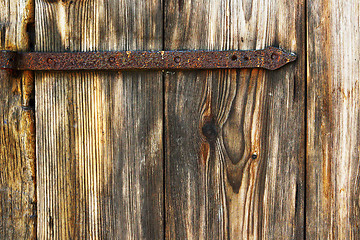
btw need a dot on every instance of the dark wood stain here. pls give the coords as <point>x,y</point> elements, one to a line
<point>181,4</point>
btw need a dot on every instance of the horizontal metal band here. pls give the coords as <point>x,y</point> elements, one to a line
<point>270,58</point>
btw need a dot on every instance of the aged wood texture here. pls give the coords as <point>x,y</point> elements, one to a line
<point>99,134</point>
<point>235,141</point>
<point>17,130</point>
<point>333,180</point>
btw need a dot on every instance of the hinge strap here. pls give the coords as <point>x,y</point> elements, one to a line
<point>270,58</point>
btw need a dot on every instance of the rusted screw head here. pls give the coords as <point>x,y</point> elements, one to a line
<point>177,59</point>
<point>111,59</point>
<point>275,56</point>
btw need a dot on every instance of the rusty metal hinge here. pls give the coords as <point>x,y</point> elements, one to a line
<point>270,58</point>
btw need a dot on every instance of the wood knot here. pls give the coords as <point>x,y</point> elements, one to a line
<point>210,130</point>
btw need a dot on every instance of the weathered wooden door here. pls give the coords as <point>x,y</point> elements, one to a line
<point>215,154</point>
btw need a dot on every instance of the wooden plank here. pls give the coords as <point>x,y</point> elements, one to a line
<point>333,189</point>
<point>17,130</point>
<point>99,134</point>
<point>235,140</point>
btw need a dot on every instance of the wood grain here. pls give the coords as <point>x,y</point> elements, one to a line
<point>99,135</point>
<point>17,128</point>
<point>235,141</point>
<point>333,189</point>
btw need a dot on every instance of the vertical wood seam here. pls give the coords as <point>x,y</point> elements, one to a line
<point>305,115</point>
<point>164,124</point>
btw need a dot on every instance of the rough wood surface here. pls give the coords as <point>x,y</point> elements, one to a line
<point>235,140</point>
<point>333,179</point>
<point>99,135</point>
<point>17,130</point>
